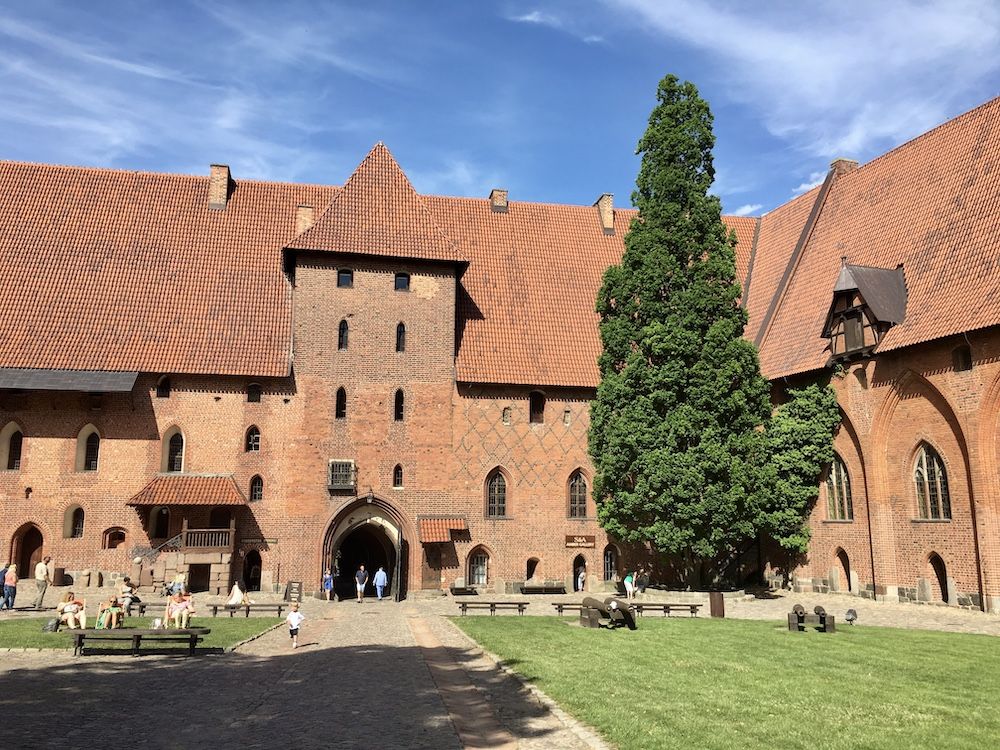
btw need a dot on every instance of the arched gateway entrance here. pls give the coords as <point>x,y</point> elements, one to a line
<point>26,549</point>
<point>369,532</point>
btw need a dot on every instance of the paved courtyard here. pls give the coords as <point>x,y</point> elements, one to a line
<point>376,675</point>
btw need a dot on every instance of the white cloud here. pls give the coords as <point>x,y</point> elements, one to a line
<point>455,176</point>
<point>839,79</point>
<point>748,209</point>
<point>570,23</point>
<point>814,179</point>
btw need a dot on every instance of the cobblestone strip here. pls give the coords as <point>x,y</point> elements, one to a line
<point>471,716</point>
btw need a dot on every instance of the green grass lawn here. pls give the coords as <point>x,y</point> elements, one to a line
<point>702,683</point>
<point>27,633</point>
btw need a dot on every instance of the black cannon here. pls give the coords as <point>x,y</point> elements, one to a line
<point>611,613</point>
<point>799,619</point>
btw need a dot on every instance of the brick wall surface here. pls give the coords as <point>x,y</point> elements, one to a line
<point>454,434</point>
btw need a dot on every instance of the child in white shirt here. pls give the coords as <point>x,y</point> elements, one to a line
<point>294,620</point>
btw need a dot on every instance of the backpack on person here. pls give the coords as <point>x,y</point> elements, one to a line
<point>52,626</point>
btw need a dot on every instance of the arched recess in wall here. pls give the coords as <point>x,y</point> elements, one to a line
<point>611,560</point>
<point>172,448</point>
<point>989,442</point>
<point>113,538</point>
<point>11,446</point>
<point>88,449</point>
<point>159,522</point>
<point>937,574</point>
<point>842,566</point>
<point>905,387</point>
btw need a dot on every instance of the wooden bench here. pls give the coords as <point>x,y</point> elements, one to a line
<point>493,606</point>
<point>246,608</point>
<point>191,636</point>
<point>560,606</point>
<point>462,591</point>
<point>666,609</point>
<point>545,588</point>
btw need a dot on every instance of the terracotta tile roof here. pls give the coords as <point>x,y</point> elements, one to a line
<point>526,304</point>
<point>113,270</point>
<point>190,489</point>
<point>933,205</point>
<point>745,228</point>
<point>779,231</point>
<point>379,213</point>
<point>436,530</point>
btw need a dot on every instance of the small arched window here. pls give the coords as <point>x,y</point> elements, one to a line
<point>397,476</point>
<point>76,524</point>
<point>340,411</point>
<point>505,415</point>
<point>253,393</point>
<point>342,331</point>
<point>931,480</point>
<point>479,564</point>
<point>496,495</point>
<point>163,387</point>
<point>175,453</point>
<point>15,441</point>
<point>256,489</point>
<point>577,495</point>
<point>114,538</point>
<point>92,452</point>
<point>400,338</point>
<point>536,407</point>
<point>252,442</point>
<point>88,449</point>
<point>345,278</point>
<point>397,411</point>
<point>402,282</point>
<point>838,492</point>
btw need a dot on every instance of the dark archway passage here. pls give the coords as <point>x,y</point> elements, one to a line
<point>251,570</point>
<point>367,545</point>
<point>27,550</point>
<point>579,564</point>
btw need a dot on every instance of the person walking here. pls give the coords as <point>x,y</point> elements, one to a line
<point>328,583</point>
<point>10,586</point>
<point>42,579</point>
<point>361,578</point>
<point>381,580</point>
<point>294,621</point>
<point>581,578</point>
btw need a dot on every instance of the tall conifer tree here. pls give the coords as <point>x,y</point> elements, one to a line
<point>677,426</point>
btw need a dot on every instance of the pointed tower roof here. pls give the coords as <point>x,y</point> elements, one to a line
<point>378,212</point>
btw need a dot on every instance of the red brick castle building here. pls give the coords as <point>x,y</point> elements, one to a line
<point>242,379</point>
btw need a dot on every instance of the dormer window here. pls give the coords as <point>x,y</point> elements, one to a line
<point>867,302</point>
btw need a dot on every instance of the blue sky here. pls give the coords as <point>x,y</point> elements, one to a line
<point>547,99</point>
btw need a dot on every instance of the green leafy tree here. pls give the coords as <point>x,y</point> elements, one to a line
<point>677,428</point>
<point>801,447</point>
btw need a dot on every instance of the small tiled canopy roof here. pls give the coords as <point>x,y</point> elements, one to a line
<point>190,489</point>
<point>437,530</point>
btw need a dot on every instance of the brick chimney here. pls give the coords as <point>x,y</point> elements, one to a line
<point>843,166</point>
<point>498,200</point>
<point>304,218</point>
<point>219,186</point>
<point>606,212</point>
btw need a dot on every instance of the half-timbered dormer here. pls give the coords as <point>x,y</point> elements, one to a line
<point>867,302</point>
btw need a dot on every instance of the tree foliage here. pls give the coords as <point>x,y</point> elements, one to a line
<point>677,426</point>
<point>800,443</point>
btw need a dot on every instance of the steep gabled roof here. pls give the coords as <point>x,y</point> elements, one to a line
<point>378,212</point>
<point>932,205</point>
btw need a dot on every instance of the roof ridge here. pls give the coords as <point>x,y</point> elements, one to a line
<point>950,122</point>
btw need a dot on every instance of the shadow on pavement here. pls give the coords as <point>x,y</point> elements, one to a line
<point>365,697</point>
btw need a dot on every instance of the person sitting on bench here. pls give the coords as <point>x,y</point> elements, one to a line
<point>72,611</point>
<point>109,615</point>
<point>180,608</point>
<point>126,593</point>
